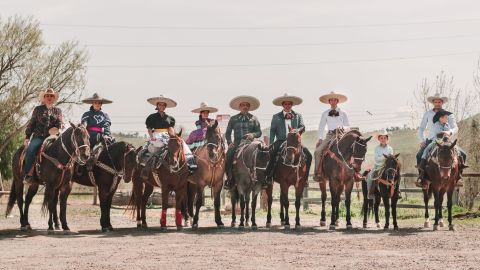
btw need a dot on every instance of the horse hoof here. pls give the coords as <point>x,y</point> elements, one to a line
<point>233,224</point>
<point>110,229</point>
<point>254,227</point>
<point>441,224</point>
<point>67,232</point>
<point>323,223</point>
<point>451,228</point>
<point>163,228</point>
<point>332,228</point>
<point>349,227</point>
<point>365,226</point>
<point>395,228</point>
<point>426,224</point>
<point>50,232</point>
<point>379,226</point>
<point>186,223</point>
<point>220,226</point>
<point>298,227</point>
<point>268,225</point>
<point>282,223</point>
<point>386,228</point>
<point>194,226</point>
<point>104,230</point>
<point>144,226</point>
<point>435,227</point>
<point>29,228</point>
<point>57,227</point>
<point>23,229</point>
<point>287,227</point>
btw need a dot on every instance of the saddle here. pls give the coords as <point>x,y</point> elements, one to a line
<point>47,143</point>
<point>155,160</point>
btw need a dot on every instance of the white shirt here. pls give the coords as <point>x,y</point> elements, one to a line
<point>427,123</point>
<point>288,122</point>
<point>332,122</point>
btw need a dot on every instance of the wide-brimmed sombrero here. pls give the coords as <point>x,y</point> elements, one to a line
<point>437,97</point>
<point>254,103</point>
<point>48,91</point>
<point>204,107</point>
<point>96,97</point>
<point>286,97</point>
<point>382,133</point>
<point>325,98</point>
<point>155,100</point>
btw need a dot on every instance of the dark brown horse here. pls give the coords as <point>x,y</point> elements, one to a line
<point>442,171</point>
<point>55,165</point>
<point>290,170</point>
<point>171,176</point>
<point>341,162</point>
<point>388,181</point>
<point>114,163</point>
<point>210,172</point>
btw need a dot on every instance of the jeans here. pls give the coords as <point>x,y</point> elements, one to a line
<point>32,150</point>
<point>420,152</point>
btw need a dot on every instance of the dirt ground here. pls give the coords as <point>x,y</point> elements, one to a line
<point>413,247</point>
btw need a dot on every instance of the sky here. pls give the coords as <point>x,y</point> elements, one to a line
<point>375,52</point>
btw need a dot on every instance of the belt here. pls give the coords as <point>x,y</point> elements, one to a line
<point>158,130</point>
<point>97,129</point>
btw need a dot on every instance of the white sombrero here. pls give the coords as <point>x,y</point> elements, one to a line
<point>204,107</point>
<point>254,103</point>
<point>383,133</point>
<point>96,97</point>
<point>341,98</point>
<point>49,91</point>
<point>155,100</point>
<point>436,97</point>
<point>286,97</point>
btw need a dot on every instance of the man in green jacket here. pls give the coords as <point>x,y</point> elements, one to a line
<point>244,126</point>
<point>279,130</point>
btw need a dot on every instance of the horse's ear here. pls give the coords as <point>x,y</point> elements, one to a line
<point>368,139</point>
<point>215,125</point>
<point>453,144</point>
<point>180,133</point>
<point>72,124</point>
<point>397,155</point>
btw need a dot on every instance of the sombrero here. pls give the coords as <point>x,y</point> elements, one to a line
<point>437,97</point>
<point>48,91</point>
<point>155,100</point>
<point>286,97</point>
<point>204,107</point>
<point>254,103</point>
<point>96,97</point>
<point>341,98</point>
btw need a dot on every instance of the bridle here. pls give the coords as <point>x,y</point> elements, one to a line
<point>253,171</point>
<point>350,163</point>
<point>176,167</point>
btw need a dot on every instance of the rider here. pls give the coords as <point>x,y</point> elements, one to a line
<point>245,126</point>
<point>197,137</point>
<point>98,122</point>
<point>332,118</point>
<point>158,125</point>
<point>279,130</point>
<point>441,128</point>
<point>382,150</point>
<point>46,120</point>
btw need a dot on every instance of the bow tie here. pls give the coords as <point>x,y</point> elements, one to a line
<point>288,116</point>
<point>334,113</point>
<point>244,117</point>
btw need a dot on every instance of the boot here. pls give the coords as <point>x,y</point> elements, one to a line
<point>422,174</point>
<point>318,175</point>
<point>27,180</point>
<point>192,165</point>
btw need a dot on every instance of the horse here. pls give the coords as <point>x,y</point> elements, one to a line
<point>171,176</point>
<point>388,180</point>
<point>114,163</point>
<point>249,171</point>
<point>341,162</point>
<point>211,169</point>
<point>442,171</point>
<point>290,169</point>
<point>54,164</point>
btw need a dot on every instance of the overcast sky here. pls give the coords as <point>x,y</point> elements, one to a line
<point>375,52</point>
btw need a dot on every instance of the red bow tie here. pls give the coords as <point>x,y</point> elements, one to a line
<point>289,116</point>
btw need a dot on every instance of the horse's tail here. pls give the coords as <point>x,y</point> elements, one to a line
<point>132,205</point>
<point>48,196</point>
<point>16,170</point>
<point>11,198</point>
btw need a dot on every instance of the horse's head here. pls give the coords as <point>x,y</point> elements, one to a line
<point>293,146</point>
<point>175,148</point>
<point>214,141</point>
<point>261,159</point>
<point>359,149</point>
<point>392,168</point>
<point>446,158</point>
<point>129,161</point>
<point>79,140</point>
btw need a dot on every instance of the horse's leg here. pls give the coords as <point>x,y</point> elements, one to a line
<point>103,210</point>
<point>109,207</point>
<point>348,201</point>
<point>394,210</point>
<point>247,209</point>
<point>64,193</point>
<point>52,211</point>
<point>333,216</point>
<point>298,201</point>
<point>180,194</point>
<point>254,206</point>
<point>242,211</point>
<point>216,202</point>
<point>365,209</point>
<point>440,212</point>
<point>323,188</point>
<point>233,201</point>
<point>137,192</point>
<point>449,205</point>
<point>436,203</point>
<point>269,205</point>
<point>32,191</point>
<point>190,199</point>
<point>198,205</point>
<point>284,203</point>
<point>426,198</point>
<point>163,217</point>
<point>386,204</point>
<point>376,208</point>
<point>147,191</point>
<point>282,211</point>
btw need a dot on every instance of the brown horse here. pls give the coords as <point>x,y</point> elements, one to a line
<point>210,172</point>
<point>388,180</point>
<point>114,163</point>
<point>341,162</point>
<point>170,176</point>
<point>290,170</point>
<point>443,171</point>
